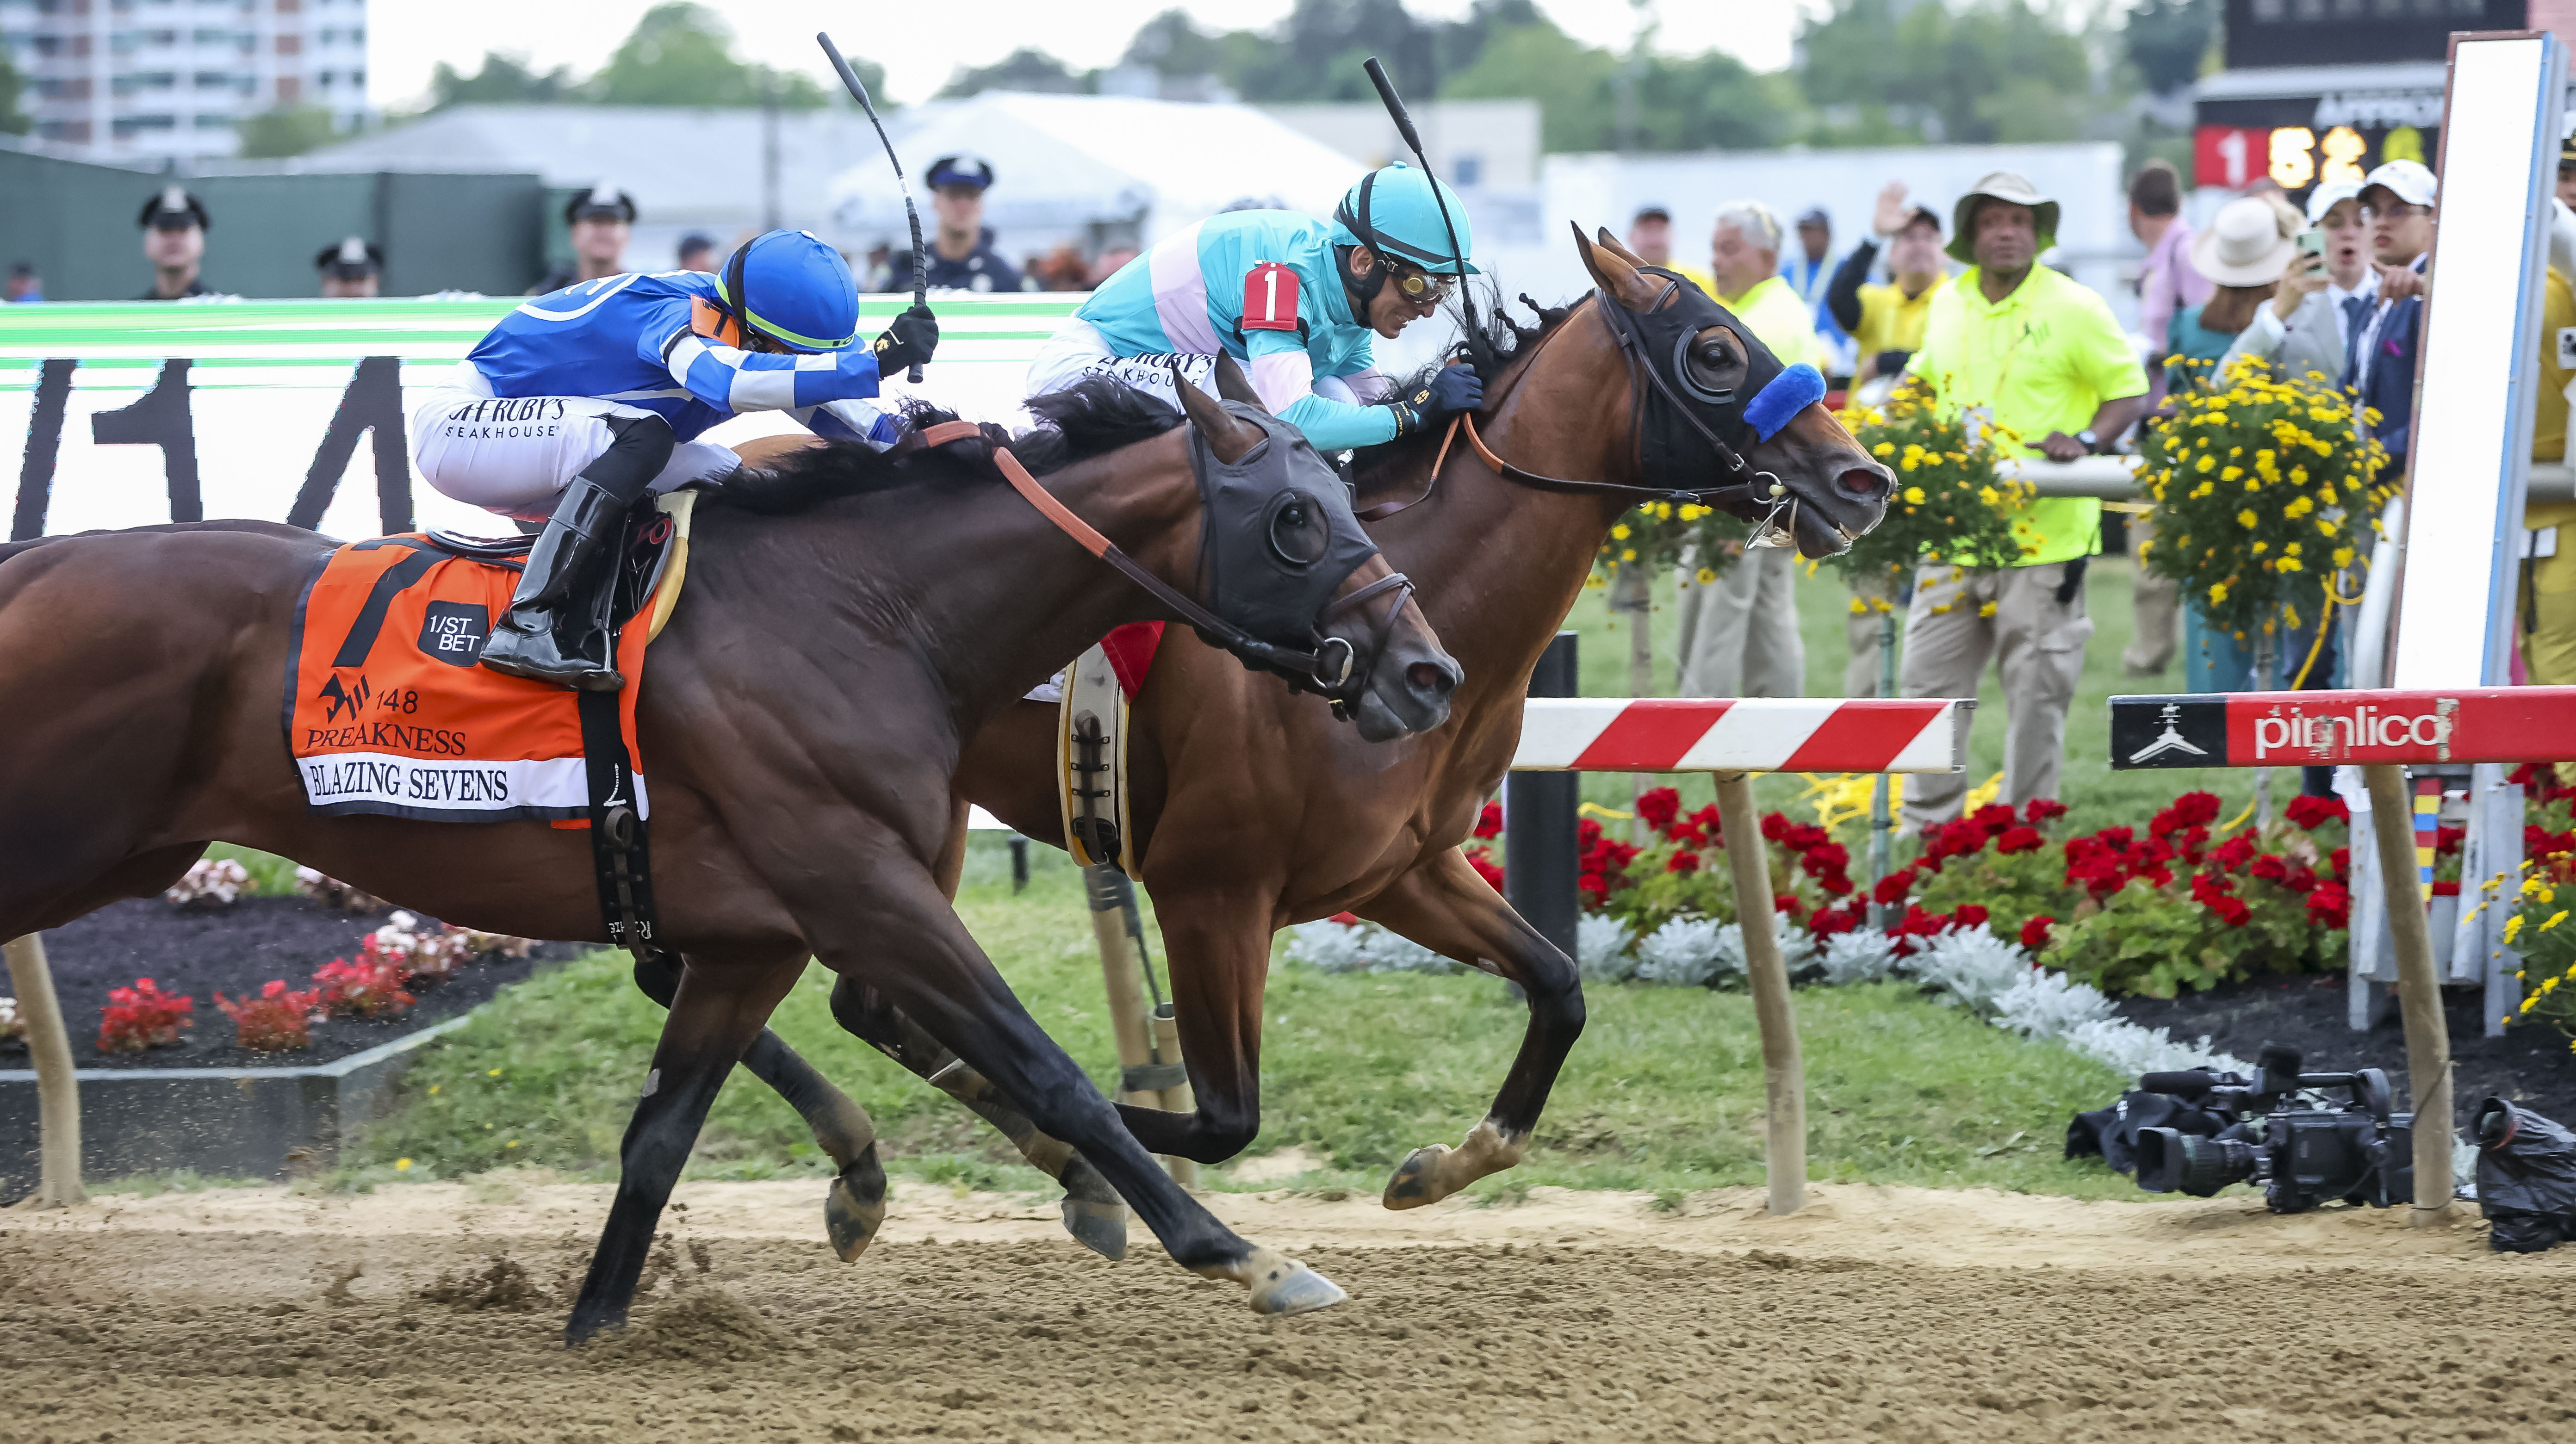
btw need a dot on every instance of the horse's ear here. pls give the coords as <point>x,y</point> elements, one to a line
<point>1229,436</point>
<point>1611,244</point>
<point>1233,385</point>
<point>1617,277</point>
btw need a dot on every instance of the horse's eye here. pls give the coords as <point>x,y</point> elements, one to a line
<point>1298,531</point>
<point>1711,361</point>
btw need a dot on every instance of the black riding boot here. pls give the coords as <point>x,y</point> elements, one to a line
<point>552,603</point>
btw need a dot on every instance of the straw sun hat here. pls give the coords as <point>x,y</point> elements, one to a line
<point>2248,242</point>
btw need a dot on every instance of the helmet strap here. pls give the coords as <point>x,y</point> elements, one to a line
<point>733,288</point>
<point>1362,289</point>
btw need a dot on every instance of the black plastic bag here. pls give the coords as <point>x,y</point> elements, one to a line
<point>2526,1177</point>
<point>2113,1132</point>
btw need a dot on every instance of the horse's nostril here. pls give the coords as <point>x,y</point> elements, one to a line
<point>1431,677</point>
<point>1864,481</point>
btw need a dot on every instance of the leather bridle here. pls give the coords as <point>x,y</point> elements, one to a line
<point>1332,670</point>
<point>1746,484</point>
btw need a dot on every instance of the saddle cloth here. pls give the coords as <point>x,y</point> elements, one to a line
<point>388,713</point>
<point>1092,699</point>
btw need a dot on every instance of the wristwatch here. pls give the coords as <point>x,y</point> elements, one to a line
<point>2092,443</point>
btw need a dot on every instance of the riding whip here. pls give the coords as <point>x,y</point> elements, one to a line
<point>1413,141</point>
<point>859,93</point>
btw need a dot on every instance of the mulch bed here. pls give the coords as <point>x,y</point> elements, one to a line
<point>2530,1064</point>
<point>236,950</point>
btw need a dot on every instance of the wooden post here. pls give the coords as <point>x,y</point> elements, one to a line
<point>1150,1075</point>
<point>1634,593</point>
<point>49,1044</point>
<point>2419,993</point>
<point>1784,1074</point>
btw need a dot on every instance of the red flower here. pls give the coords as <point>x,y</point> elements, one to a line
<point>2330,906</point>
<point>2019,839</point>
<point>1482,860</point>
<point>2234,853</point>
<point>2447,840</point>
<point>1775,826</point>
<point>2196,807</point>
<point>1683,860</point>
<point>1790,903</point>
<point>2341,857</point>
<point>2446,889</point>
<point>1892,888</point>
<point>1489,823</point>
<point>2308,813</point>
<point>1707,825</point>
<point>2034,934</point>
<point>1826,857</point>
<point>1969,915</point>
<point>1825,922</point>
<point>1993,818</point>
<point>2232,911</point>
<point>1658,806</point>
<point>1834,884</point>
<point>142,1017</point>
<point>2270,868</point>
<point>2043,809</point>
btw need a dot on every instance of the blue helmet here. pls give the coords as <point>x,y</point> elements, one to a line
<point>1393,212</point>
<point>794,289</point>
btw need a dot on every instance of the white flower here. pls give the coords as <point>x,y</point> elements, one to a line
<point>1328,947</point>
<point>1863,955</point>
<point>1601,949</point>
<point>2129,1050</point>
<point>2041,1005</point>
<point>1970,966</point>
<point>1682,953</point>
<point>211,882</point>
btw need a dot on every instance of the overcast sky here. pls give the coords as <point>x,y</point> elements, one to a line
<point>406,38</point>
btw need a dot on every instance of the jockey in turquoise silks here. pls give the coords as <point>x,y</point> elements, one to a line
<point>1293,299</point>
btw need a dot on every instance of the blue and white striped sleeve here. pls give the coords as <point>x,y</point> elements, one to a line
<point>851,421</point>
<point>736,380</point>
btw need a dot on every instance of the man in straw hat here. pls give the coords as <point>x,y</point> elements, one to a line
<point>2040,358</point>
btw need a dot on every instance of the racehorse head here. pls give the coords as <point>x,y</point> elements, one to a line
<point>1285,559</point>
<point>1722,417</point>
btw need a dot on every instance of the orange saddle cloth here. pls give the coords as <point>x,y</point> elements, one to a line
<point>388,713</point>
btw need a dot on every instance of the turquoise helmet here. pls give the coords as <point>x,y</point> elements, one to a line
<point>1393,212</point>
<point>793,289</point>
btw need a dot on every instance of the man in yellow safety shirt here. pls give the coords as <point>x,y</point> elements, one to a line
<point>2044,361</point>
<point>2549,581</point>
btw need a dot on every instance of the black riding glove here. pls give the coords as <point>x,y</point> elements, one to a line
<point>908,342</point>
<point>1451,388</point>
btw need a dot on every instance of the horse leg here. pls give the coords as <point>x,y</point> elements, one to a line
<point>920,957</point>
<point>1447,908</point>
<point>854,1208</point>
<point>1093,1212</point>
<point>1217,943</point>
<point>716,1013</point>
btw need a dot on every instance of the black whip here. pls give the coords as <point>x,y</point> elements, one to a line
<point>859,93</point>
<point>1413,140</point>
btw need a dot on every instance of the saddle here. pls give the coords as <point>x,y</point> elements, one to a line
<point>388,713</point>
<point>1091,745</point>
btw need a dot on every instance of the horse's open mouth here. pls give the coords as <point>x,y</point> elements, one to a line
<point>1806,529</point>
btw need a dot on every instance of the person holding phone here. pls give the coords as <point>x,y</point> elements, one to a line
<point>2329,286</point>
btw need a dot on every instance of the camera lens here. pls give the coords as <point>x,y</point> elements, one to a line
<point>2175,1162</point>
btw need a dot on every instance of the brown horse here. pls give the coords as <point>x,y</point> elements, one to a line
<point>1253,813</point>
<point>850,620</point>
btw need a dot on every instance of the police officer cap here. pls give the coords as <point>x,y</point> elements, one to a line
<point>350,260</point>
<point>601,201</point>
<point>961,170</point>
<point>173,209</point>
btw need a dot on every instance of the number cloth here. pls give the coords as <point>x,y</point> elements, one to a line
<point>1186,297</point>
<point>2043,359</point>
<point>388,713</point>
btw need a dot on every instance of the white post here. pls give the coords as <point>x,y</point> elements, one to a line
<point>57,1089</point>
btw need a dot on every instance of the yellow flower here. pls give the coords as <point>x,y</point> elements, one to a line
<point>2290,549</point>
<point>1884,448</point>
<point>2230,473</point>
<point>1941,609</point>
<point>2555,919</point>
<point>2548,985</point>
<point>1859,607</point>
<point>1986,610</point>
<point>2261,547</point>
<point>2207,463</point>
<point>1663,511</point>
<point>1691,512</point>
<point>2342,557</point>
<point>1914,495</point>
<point>1629,555</point>
<point>1705,576</point>
<point>1621,530</point>
<point>1987,495</point>
<point>2246,518</point>
<point>2217,593</point>
<point>403,1165</point>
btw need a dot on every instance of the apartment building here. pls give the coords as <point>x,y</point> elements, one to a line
<point>147,80</point>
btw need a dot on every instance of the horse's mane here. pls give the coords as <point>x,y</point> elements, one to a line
<point>1094,416</point>
<point>1506,340</point>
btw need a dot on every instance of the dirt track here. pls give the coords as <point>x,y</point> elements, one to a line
<point>1894,1314</point>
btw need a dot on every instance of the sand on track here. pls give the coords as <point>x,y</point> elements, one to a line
<point>431,1312</point>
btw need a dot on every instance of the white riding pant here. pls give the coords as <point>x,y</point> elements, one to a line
<point>515,455</point>
<point>1078,350</point>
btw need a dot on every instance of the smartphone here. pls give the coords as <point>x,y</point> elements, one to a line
<point>2313,240</point>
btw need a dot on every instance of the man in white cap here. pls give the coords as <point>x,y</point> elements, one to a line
<point>2324,297</point>
<point>2397,202</point>
<point>2048,365</point>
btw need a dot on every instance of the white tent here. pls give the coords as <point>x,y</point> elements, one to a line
<point>1084,169</point>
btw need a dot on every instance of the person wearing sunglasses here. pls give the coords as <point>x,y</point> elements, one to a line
<point>1296,301</point>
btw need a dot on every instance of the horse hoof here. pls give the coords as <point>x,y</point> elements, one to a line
<point>1416,1180</point>
<point>1099,1227</point>
<point>1288,1287</point>
<point>853,1210</point>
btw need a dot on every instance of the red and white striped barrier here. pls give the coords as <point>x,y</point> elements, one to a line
<point>1753,734</point>
<point>2317,729</point>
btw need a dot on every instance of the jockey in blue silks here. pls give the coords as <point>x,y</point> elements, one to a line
<point>582,400</point>
<point>1292,298</point>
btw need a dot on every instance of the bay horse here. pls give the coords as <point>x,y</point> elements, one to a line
<point>850,619</point>
<point>1253,813</point>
